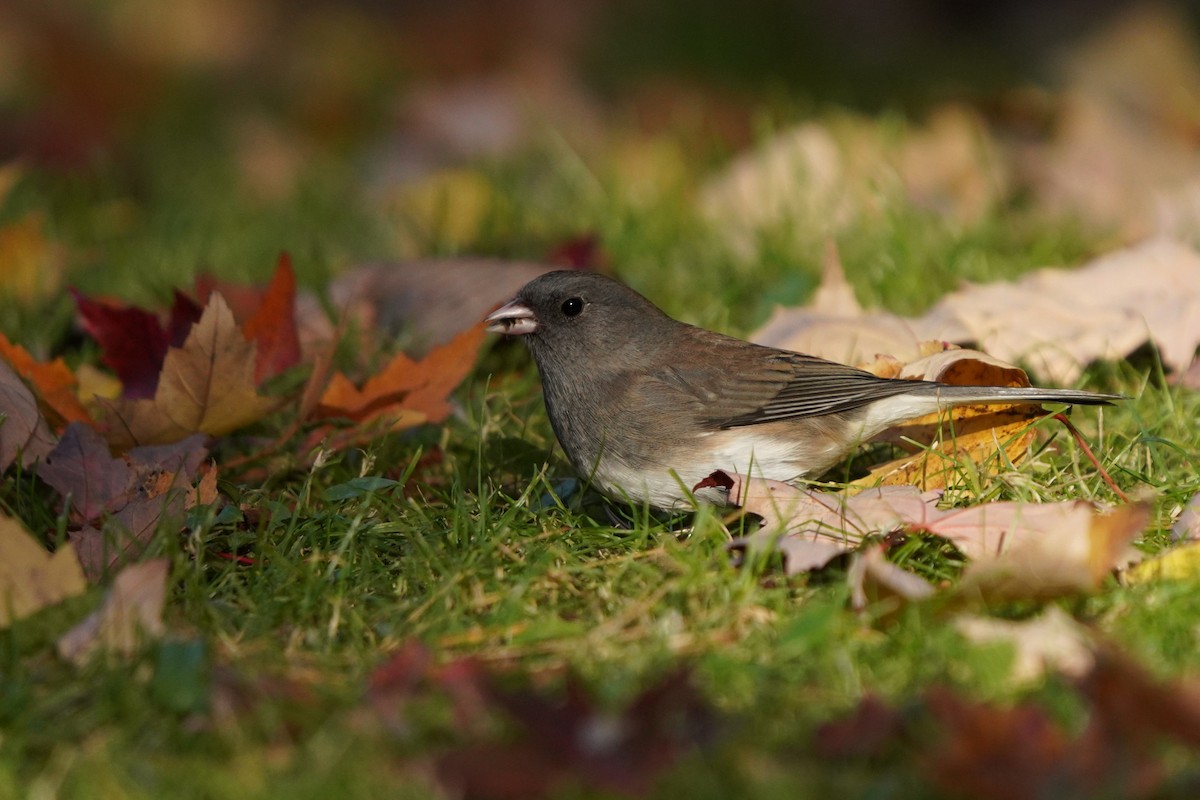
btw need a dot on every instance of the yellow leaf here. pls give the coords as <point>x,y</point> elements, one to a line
<point>95,383</point>
<point>990,437</point>
<point>30,265</point>
<point>1182,563</point>
<point>30,578</point>
<point>449,206</point>
<point>206,386</point>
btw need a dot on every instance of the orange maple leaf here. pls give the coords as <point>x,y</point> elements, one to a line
<point>54,382</point>
<point>413,392</point>
<point>272,326</point>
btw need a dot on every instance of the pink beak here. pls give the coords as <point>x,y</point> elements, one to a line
<point>514,319</point>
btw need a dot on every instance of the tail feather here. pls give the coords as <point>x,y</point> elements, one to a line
<point>959,395</point>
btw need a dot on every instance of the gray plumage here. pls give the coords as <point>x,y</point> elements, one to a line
<point>647,406</point>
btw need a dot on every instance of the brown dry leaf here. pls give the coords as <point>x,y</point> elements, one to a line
<point>990,437</point>
<point>834,326</point>
<point>24,433</point>
<point>30,265</point>
<point>952,166</point>
<point>1017,550</point>
<point>1050,642</point>
<point>1123,153</point>
<point>406,392</point>
<point>817,179</point>
<point>206,386</point>
<point>1187,525</point>
<point>81,468</point>
<point>873,578</point>
<point>130,615</point>
<point>1056,321</point>
<point>812,528</point>
<point>55,383</point>
<point>1074,554</point>
<point>798,174</point>
<point>162,482</point>
<point>30,578</point>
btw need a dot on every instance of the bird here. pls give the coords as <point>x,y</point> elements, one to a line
<point>647,406</point>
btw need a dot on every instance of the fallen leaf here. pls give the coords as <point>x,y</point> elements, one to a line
<point>130,615</point>
<point>571,739</point>
<point>988,437</point>
<point>994,752</point>
<point>119,503</point>
<point>54,382</point>
<point>1121,157</point>
<point>81,468</point>
<point>272,327</point>
<point>31,264</point>
<point>812,528</point>
<point>798,174</point>
<point>1177,564</point>
<point>834,326</point>
<point>406,392</point>
<point>869,731</point>
<point>873,578</point>
<point>1056,321</point>
<point>30,578</point>
<point>133,340</point>
<point>206,386</point>
<point>1187,526</point>
<point>1074,555</point>
<point>820,178</point>
<point>95,383</point>
<point>24,433</point>
<point>1050,642</point>
<point>1133,707</point>
<point>1017,550</point>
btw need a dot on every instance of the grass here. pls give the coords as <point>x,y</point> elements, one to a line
<point>492,552</point>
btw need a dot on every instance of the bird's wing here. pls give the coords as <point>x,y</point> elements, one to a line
<point>779,386</point>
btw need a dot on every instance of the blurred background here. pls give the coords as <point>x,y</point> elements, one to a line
<point>174,136</point>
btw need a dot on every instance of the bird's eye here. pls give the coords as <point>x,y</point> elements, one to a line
<point>572,307</point>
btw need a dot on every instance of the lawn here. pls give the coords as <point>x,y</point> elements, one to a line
<point>449,606</point>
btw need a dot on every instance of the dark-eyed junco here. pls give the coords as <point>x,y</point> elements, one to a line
<point>647,406</point>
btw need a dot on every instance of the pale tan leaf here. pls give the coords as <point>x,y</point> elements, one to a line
<point>1049,642</point>
<point>1074,556</point>
<point>130,615</point>
<point>1054,320</point>
<point>873,578</point>
<point>31,578</point>
<point>1187,526</point>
